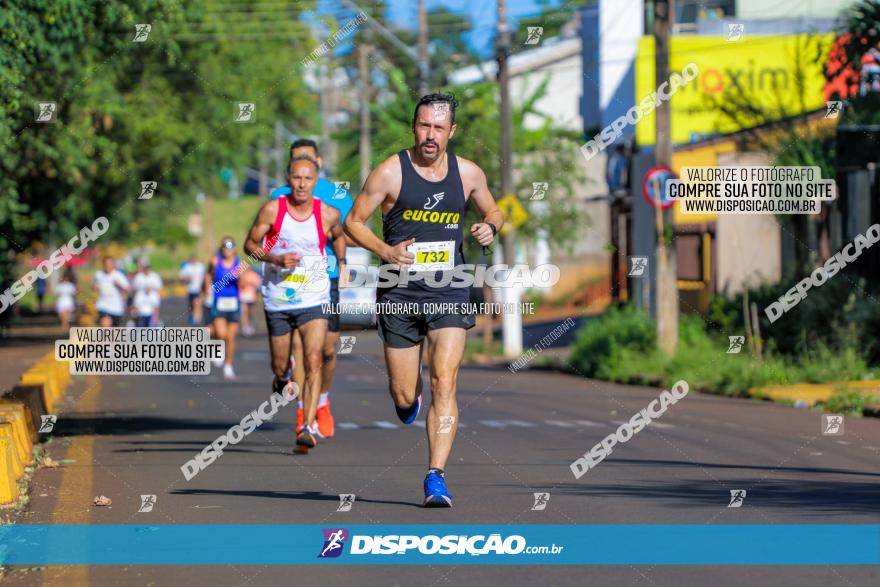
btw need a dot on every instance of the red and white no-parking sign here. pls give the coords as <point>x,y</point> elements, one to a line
<point>655,191</point>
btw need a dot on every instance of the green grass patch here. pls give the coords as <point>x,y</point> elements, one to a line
<point>848,401</point>
<point>621,346</point>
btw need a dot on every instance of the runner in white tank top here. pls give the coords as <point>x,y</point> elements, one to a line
<point>289,235</point>
<point>306,285</point>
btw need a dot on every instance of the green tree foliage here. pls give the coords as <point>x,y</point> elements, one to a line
<point>160,110</point>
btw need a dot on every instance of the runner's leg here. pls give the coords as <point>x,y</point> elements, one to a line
<point>197,310</point>
<point>220,331</point>
<point>404,382</point>
<point>299,373</point>
<point>245,318</point>
<point>446,349</point>
<point>231,332</point>
<point>312,333</point>
<point>329,366</point>
<point>280,348</point>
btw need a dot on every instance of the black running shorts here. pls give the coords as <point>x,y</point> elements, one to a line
<point>283,322</point>
<point>405,330</point>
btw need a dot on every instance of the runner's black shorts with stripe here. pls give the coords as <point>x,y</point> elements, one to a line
<point>403,331</point>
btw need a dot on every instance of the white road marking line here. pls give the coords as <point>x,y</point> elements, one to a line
<point>842,442</point>
<point>347,425</point>
<point>506,423</point>
<point>385,424</point>
<point>659,425</point>
<point>520,423</point>
<point>560,423</point>
<point>587,423</point>
<point>361,378</point>
<point>493,423</point>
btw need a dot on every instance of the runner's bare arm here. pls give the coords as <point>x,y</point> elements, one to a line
<point>209,276</point>
<point>254,242</point>
<point>336,233</point>
<point>377,191</point>
<point>474,178</point>
<point>340,245</point>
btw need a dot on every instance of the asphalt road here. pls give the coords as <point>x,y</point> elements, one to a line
<point>126,436</point>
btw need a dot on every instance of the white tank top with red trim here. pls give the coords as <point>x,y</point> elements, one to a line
<point>307,285</point>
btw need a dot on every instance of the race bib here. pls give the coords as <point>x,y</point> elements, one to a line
<point>432,256</point>
<point>227,304</point>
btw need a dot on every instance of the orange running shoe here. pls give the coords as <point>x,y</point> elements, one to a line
<point>300,418</point>
<point>325,421</point>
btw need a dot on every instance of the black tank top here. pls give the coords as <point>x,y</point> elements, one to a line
<point>428,211</point>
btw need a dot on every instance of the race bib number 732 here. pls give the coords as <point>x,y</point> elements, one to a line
<point>432,256</point>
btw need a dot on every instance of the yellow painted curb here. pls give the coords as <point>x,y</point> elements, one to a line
<point>178,291</point>
<point>8,488</point>
<point>32,434</point>
<point>7,433</point>
<point>43,378</point>
<point>15,416</point>
<point>52,377</point>
<point>813,392</point>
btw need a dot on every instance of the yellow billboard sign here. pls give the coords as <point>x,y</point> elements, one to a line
<point>762,70</point>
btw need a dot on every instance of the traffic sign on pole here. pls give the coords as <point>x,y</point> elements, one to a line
<point>514,213</point>
<point>654,186</point>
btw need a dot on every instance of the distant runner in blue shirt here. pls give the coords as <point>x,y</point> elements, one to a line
<point>339,198</point>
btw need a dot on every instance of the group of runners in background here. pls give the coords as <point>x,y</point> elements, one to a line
<point>125,293</point>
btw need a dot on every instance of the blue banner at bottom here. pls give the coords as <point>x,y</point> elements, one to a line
<point>525,544</point>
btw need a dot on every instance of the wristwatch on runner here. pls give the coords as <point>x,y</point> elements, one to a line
<point>486,248</point>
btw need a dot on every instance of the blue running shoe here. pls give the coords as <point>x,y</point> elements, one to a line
<point>409,415</point>
<point>436,494</point>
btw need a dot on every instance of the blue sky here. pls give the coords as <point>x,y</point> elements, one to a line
<point>483,13</point>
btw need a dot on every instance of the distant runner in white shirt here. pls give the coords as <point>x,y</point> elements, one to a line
<point>156,292</point>
<point>192,273</point>
<point>65,298</point>
<point>147,297</point>
<point>111,286</point>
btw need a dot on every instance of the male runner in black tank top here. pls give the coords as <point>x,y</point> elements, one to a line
<point>423,192</point>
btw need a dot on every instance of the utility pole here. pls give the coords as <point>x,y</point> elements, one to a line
<point>264,174</point>
<point>423,49</point>
<point>277,154</point>
<point>324,102</point>
<point>511,321</point>
<point>667,288</point>
<point>328,112</point>
<point>331,97</point>
<point>364,74</point>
